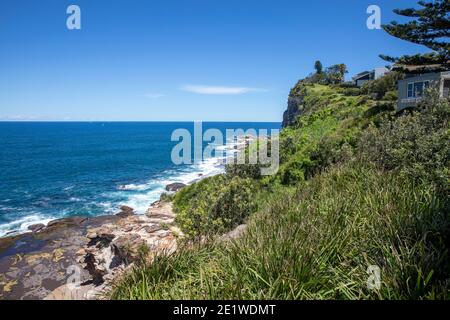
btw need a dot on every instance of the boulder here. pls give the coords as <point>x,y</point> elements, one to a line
<point>152,228</point>
<point>36,227</point>
<point>174,187</point>
<point>66,222</point>
<point>125,211</point>
<point>101,238</point>
<point>96,270</point>
<point>236,233</point>
<point>128,247</point>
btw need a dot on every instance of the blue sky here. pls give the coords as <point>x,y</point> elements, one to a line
<point>167,60</point>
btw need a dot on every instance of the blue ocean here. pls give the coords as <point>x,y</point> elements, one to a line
<point>50,170</point>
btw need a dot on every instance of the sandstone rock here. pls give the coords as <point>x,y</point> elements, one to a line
<point>81,252</point>
<point>128,229</point>
<point>92,234</point>
<point>236,233</point>
<point>153,228</point>
<point>127,247</point>
<point>94,268</point>
<point>36,227</point>
<point>100,238</point>
<point>125,211</point>
<point>174,187</point>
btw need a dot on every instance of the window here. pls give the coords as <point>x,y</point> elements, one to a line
<point>416,89</point>
<point>410,90</point>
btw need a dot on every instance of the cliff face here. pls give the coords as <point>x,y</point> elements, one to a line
<point>294,109</point>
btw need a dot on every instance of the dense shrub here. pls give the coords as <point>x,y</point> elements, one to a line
<point>416,144</point>
<point>378,88</point>
<point>214,205</point>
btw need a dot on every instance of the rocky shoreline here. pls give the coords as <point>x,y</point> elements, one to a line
<point>77,257</point>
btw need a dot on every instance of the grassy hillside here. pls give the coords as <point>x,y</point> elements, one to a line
<point>358,186</point>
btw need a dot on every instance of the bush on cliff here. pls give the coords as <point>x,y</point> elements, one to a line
<point>317,242</point>
<point>416,144</point>
<point>214,205</point>
<point>380,87</point>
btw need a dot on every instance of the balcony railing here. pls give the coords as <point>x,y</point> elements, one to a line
<point>411,100</point>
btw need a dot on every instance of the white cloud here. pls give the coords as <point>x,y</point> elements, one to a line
<point>218,90</point>
<point>154,95</point>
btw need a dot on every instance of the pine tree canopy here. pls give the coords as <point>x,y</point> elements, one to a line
<point>430,27</point>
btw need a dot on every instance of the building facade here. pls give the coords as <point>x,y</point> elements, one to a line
<point>411,89</point>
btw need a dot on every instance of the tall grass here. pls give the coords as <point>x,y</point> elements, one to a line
<point>316,241</point>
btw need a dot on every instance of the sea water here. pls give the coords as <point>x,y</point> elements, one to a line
<point>51,170</point>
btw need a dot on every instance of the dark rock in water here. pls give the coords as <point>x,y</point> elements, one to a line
<point>66,222</point>
<point>174,187</point>
<point>125,211</point>
<point>36,227</point>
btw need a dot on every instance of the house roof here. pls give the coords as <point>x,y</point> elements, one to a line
<point>361,74</point>
<point>420,68</point>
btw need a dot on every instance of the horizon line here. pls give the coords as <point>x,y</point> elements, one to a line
<point>135,121</point>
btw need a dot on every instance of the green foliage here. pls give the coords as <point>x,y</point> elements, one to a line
<point>334,74</point>
<point>318,66</point>
<point>316,242</point>
<point>416,144</point>
<point>380,87</point>
<point>429,27</point>
<point>214,205</point>
<point>166,197</point>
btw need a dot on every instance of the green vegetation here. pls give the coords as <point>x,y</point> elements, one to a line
<point>429,26</point>
<point>358,186</point>
<point>214,205</point>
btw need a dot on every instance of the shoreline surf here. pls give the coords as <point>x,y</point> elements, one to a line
<point>139,196</point>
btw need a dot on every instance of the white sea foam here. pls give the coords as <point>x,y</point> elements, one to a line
<point>133,187</point>
<point>21,225</point>
<point>142,195</point>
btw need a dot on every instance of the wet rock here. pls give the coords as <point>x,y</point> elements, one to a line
<point>125,211</point>
<point>174,187</point>
<point>36,227</point>
<point>66,222</point>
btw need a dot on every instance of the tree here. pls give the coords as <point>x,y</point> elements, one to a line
<point>336,73</point>
<point>318,66</point>
<point>430,27</point>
